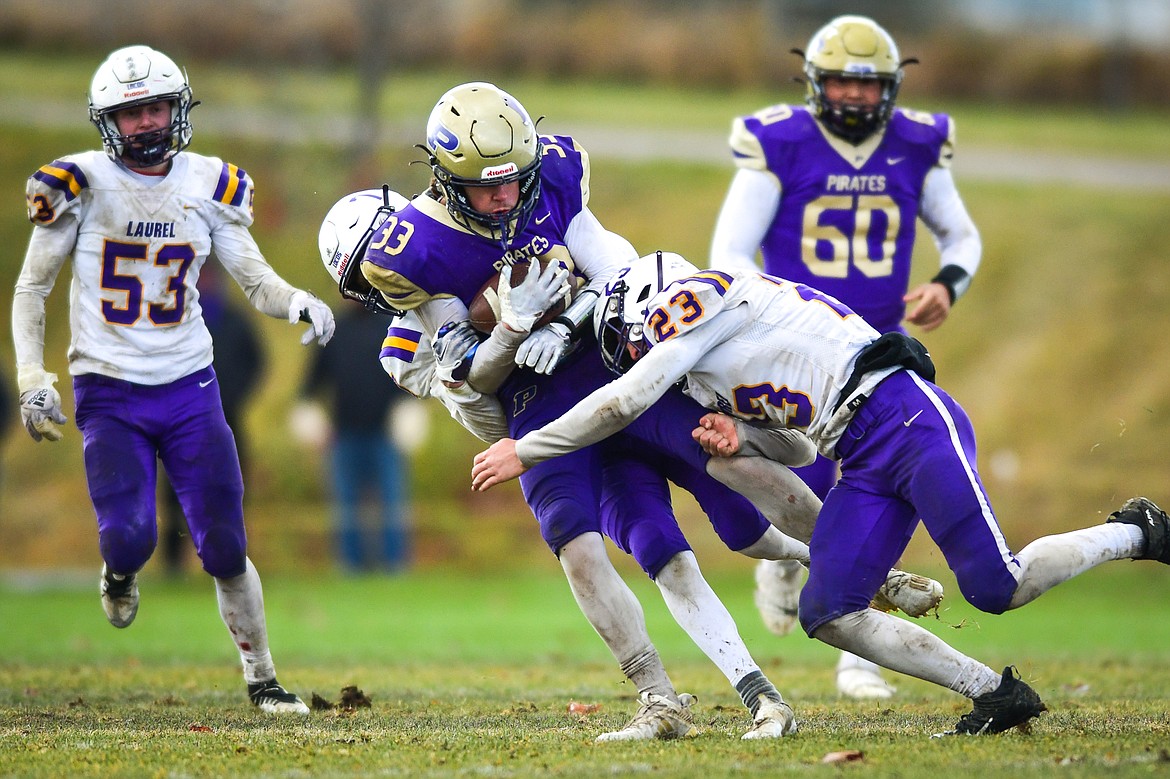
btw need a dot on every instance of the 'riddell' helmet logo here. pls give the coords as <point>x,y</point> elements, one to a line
<point>499,171</point>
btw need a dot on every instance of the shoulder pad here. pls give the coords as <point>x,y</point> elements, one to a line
<point>687,303</point>
<point>400,292</point>
<point>53,189</point>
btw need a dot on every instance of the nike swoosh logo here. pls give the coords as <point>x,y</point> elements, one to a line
<point>203,384</point>
<point>910,421</point>
<point>542,219</point>
<point>894,160</point>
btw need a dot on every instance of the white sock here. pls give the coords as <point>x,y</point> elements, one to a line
<point>905,647</point>
<point>774,545</point>
<point>698,611</point>
<point>849,661</point>
<point>613,611</point>
<point>1048,561</point>
<point>241,606</point>
<point>774,489</point>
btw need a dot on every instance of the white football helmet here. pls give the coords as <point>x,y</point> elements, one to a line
<point>134,76</point>
<point>852,47</point>
<point>619,319</point>
<point>344,236</point>
<point>479,135</point>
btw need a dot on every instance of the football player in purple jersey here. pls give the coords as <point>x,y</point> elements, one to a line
<point>136,222</point>
<point>501,193</point>
<point>830,193</point>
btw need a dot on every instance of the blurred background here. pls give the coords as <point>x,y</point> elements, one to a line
<point>1059,350</point>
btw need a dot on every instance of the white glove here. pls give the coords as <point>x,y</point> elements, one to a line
<point>520,308</point>
<point>306,307</point>
<point>545,348</point>
<point>40,404</point>
<point>454,347</point>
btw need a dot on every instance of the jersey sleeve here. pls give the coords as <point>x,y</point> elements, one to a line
<point>686,305</point>
<point>233,192</point>
<point>746,149</point>
<point>53,190</point>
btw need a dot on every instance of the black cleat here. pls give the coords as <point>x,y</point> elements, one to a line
<point>1010,705</point>
<point>1155,525</point>
<point>271,697</point>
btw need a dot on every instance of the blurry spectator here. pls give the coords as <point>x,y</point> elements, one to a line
<point>239,364</point>
<point>369,470</point>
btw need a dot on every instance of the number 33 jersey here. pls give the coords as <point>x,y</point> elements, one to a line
<point>847,216</point>
<point>138,243</point>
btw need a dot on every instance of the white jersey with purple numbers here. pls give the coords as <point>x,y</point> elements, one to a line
<point>138,243</point>
<point>767,350</point>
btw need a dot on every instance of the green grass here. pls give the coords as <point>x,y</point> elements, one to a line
<point>472,674</point>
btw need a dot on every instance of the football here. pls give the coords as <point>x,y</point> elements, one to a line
<point>484,311</point>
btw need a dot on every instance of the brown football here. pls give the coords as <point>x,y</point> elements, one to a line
<point>484,311</point>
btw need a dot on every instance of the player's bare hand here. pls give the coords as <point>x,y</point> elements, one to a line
<point>717,435</point>
<point>495,465</point>
<point>933,305</point>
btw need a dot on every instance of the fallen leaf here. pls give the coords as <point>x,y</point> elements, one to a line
<point>583,708</point>
<point>846,756</point>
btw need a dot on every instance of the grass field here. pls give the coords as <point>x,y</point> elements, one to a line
<point>1058,352</point>
<point>470,675</point>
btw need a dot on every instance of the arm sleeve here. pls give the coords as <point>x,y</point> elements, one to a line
<point>747,213</point>
<point>787,447</point>
<point>240,256</point>
<point>48,250</point>
<point>954,232</point>
<point>597,253</point>
<point>611,407</point>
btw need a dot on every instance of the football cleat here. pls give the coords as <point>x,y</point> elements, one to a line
<point>271,697</point>
<point>1155,525</point>
<point>119,598</point>
<point>777,596</point>
<point>773,719</point>
<point>909,593</point>
<point>1008,706</point>
<point>657,717</point>
<point>863,684</point>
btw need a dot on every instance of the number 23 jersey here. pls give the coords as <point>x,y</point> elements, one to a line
<point>138,244</point>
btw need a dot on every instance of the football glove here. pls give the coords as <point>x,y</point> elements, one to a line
<point>40,405</point>
<point>454,347</point>
<point>543,350</point>
<point>521,307</point>
<point>306,307</point>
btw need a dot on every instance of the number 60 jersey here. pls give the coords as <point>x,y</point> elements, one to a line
<point>847,215</point>
<point>138,243</point>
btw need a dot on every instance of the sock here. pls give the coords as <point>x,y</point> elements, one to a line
<point>755,687</point>
<point>241,606</point>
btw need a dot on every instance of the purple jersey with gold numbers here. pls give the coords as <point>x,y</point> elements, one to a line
<point>847,215</point>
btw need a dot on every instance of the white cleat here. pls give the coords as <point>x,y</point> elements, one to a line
<point>778,584</point>
<point>773,719</point>
<point>863,684</point>
<point>657,717</point>
<point>913,595</point>
<point>119,598</point>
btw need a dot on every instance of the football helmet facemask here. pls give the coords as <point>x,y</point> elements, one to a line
<point>619,318</point>
<point>479,135</point>
<point>344,237</point>
<point>852,47</point>
<point>135,76</point>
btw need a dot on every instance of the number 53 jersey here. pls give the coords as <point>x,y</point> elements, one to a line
<point>847,215</point>
<point>138,243</point>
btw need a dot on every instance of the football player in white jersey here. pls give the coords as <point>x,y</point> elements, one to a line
<point>765,353</point>
<point>830,194</point>
<point>136,222</point>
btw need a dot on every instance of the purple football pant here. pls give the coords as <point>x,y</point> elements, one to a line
<point>126,428</point>
<point>625,475</point>
<point>909,452</point>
